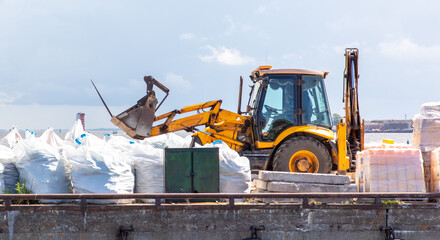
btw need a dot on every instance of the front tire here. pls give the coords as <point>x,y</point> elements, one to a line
<point>302,154</point>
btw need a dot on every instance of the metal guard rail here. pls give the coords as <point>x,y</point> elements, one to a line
<point>225,201</point>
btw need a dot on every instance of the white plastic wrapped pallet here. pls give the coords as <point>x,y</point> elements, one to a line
<point>41,168</point>
<point>430,110</point>
<point>12,138</point>
<point>379,145</point>
<point>359,175</point>
<point>96,167</point>
<point>393,170</point>
<point>435,170</point>
<point>426,132</point>
<point>10,172</point>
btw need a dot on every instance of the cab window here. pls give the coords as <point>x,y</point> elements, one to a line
<point>314,101</point>
<point>277,107</point>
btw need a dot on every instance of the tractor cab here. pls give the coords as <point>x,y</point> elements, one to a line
<point>284,98</point>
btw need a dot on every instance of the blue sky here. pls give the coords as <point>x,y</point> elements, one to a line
<point>49,51</point>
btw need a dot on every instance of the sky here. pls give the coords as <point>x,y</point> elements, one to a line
<point>50,50</point>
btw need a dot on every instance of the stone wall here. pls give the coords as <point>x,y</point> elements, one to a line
<point>279,223</point>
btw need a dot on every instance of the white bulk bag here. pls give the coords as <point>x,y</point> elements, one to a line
<point>235,173</point>
<point>10,172</point>
<point>11,138</point>
<point>51,138</point>
<point>170,140</point>
<point>29,135</point>
<point>75,131</point>
<point>148,165</point>
<point>99,169</point>
<point>2,180</point>
<point>41,168</point>
<point>121,143</point>
<point>88,140</point>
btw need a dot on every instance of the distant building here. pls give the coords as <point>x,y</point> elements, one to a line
<point>389,126</point>
<point>81,116</point>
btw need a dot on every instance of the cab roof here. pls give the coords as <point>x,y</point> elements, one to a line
<point>263,70</point>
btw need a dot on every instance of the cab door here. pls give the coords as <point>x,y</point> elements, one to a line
<point>278,106</point>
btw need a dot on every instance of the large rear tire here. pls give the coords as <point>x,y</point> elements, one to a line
<point>302,154</point>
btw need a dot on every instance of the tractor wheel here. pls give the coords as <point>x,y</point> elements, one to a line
<point>302,154</point>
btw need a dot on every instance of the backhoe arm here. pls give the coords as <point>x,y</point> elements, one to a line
<point>353,120</point>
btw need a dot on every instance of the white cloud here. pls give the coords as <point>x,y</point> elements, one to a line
<point>177,81</point>
<point>6,98</point>
<point>228,56</point>
<point>406,49</point>
<point>187,36</point>
<point>261,9</point>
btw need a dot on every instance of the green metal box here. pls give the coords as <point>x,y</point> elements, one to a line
<point>191,170</point>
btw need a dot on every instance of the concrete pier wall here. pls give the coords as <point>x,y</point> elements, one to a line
<point>193,224</point>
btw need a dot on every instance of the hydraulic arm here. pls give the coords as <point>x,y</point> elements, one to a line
<point>355,125</point>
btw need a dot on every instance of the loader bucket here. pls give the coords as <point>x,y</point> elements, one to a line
<point>137,121</point>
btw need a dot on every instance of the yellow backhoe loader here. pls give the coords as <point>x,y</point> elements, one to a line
<point>287,124</point>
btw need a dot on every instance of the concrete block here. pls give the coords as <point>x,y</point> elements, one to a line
<point>260,184</point>
<point>304,177</point>
<point>308,188</point>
